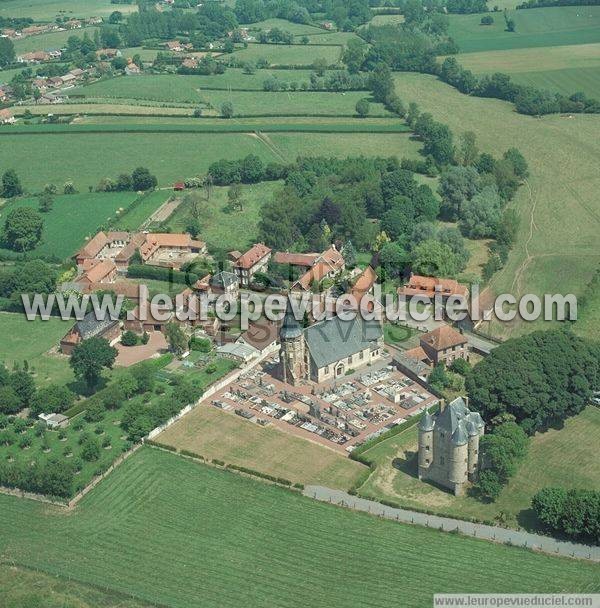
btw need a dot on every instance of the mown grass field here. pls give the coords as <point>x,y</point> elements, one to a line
<point>51,40</point>
<point>221,227</point>
<point>142,210</point>
<point>22,588</point>
<point>213,433</point>
<point>297,29</point>
<point>540,27</point>
<point>297,54</point>
<point>555,458</point>
<point>555,68</point>
<point>247,543</point>
<point>556,249</point>
<point>87,158</point>
<point>31,340</point>
<point>48,10</point>
<point>72,218</point>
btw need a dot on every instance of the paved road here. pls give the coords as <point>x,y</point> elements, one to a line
<point>501,535</point>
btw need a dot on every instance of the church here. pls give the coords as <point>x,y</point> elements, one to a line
<point>328,349</point>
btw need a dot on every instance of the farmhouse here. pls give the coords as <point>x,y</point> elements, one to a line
<point>102,245</point>
<point>6,117</point>
<point>89,327</point>
<point>442,345</point>
<point>34,57</point>
<point>167,249</point>
<point>225,283</point>
<point>429,287</point>
<point>328,349</point>
<point>364,284</point>
<point>145,319</point>
<point>246,265</point>
<point>326,265</point>
<point>449,446</point>
<point>131,69</point>
<point>99,272</point>
<point>303,261</point>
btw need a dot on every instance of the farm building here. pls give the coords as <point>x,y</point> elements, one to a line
<point>442,345</point>
<point>246,265</point>
<point>89,327</point>
<point>6,117</point>
<point>326,265</point>
<point>429,287</point>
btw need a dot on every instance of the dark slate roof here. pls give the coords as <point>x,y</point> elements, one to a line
<point>427,422</point>
<point>224,279</point>
<point>89,326</point>
<point>411,364</point>
<point>290,328</point>
<point>458,421</point>
<point>334,339</point>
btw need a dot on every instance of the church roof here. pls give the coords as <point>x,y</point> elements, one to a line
<point>290,328</point>
<point>334,339</point>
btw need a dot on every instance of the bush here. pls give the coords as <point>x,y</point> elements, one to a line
<point>129,338</point>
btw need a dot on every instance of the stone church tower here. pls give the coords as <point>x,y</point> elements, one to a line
<point>449,446</point>
<point>292,353</point>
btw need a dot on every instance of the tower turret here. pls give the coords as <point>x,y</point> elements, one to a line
<point>426,426</point>
<point>292,350</point>
<point>459,454</point>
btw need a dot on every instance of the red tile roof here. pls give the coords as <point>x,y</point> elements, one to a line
<point>254,255</point>
<point>295,259</point>
<point>428,286</point>
<point>443,337</point>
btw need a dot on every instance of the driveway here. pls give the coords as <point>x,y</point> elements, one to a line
<point>129,355</point>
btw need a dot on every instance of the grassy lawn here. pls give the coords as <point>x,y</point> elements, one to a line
<point>220,228</point>
<point>555,68</point>
<point>51,40</point>
<point>239,531</point>
<point>20,588</point>
<point>298,29</point>
<point>213,433</point>
<point>558,203</point>
<point>397,335</point>
<point>48,10</point>
<point>31,341</point>
<point>142,210</point>
<point>555,458</point>
<point>543,27</point>
<point>297,54</point>
<point>73,218</point>
<point>41,158</point>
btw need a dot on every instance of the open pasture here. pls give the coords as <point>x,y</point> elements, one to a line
<point>297,29</point>
<point>540,27</point>
<point>565,69</point>
<point>217,434</point>
<point>252,544</point>
<point>143,208</point>
<point>51,40</point>
<point>555,458</point>
<point>48,10</point>
<point>297,54</point>
<point>32,341</point>
<point>73,217</point>
<point>556,249</point>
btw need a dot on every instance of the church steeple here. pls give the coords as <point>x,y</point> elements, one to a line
<point>292,350</point>
<point>290,330</point>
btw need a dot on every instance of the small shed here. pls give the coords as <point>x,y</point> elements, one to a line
<point>179,186</point>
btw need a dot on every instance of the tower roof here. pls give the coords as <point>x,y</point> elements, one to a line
<point>459,437</point>
<point>427,423</point>
<point>291,328</point>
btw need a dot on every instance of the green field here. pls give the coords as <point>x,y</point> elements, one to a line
<point>48,10</point>
<point>324,37</point>
<point>217,434</point>
<point>204,533</point>
<point>540,27</point>
<point>555,458</point>
<point>555,68</point>
<point>42,158</point>
<point>298,29</point>
<point>142,210</point>
<point>188,89</point>
<point>51,40</point>
<point>21,588</point>
<point>31,340</point>
<point>280,54</point>
<point>73,218</point>
<point>556,249</point>
<point>220,227</point>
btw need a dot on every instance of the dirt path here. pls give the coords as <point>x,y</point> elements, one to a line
<point>517,281</point>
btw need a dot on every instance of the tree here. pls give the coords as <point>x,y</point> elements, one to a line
<point>487,20</point>
<point>320,66</point>
<point>115,17</point>
<point>468,149</point>
<point>7,52</point>
<point>45,202</point>
<point>10,403</point>
<point>457,185</point>
<point>142,179</point>
<point>143,374</point>
<point>480,216</point>
<point>304,40</point>
<point>176,338</point>
<point>90,448</point>
<point>23,228</point>
<point>363,107</point>
<point>11,185</point>
<point>90,357</point>
<point>518,162</point>
<point>251,169</point>
<point>52,399</point>
<point>129,338</point>
<point>234,197</point>
<point>511,26</point>
<point>69,188</point>
<point>227,110</point>
<point>393,259</point>
<point>432,258</point>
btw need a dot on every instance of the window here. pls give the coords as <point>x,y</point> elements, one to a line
<point>362,355</point>
<point>327,369</point>
<point>427,448</point>
<point>350,359</point>
<point>427,461</point>
<point>442,460</point>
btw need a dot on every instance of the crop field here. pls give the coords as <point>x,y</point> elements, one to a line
<point>297,54</point>
<point>142,210</point>
<point>555,458</point>
<point>556,249</point>
<point>31,341</point>
<point>41,158</point>
<point>48,10</point>
<point>249,543</point>
<point>335,38</point>
<point>540,27</point>
<point>72,218</point>
<point>51,40</point>
<point>387,19</point>
<point>220,227</point>
<point>20,588</point>
<point>555,68</point>
<point>216,434</point>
